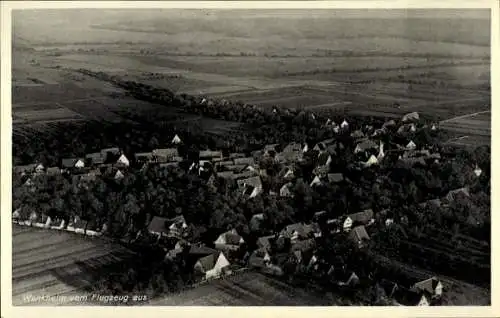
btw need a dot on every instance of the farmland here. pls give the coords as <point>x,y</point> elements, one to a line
<point>295,63</point>
<point>49,263</point>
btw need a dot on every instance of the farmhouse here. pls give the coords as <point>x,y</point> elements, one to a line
<point>371,161</point>
<point>158,226</point>
<point>454,194</point>
<point>122,161</point>
<point>365,218</point>
<point>358,235</point>
<point>248,161</point>
<point>94,159</point>
<point>253,184</point>
<point>414,116</point>
<point>143,157</point>
<point>51,171</point>
<point>297,231</point>
<point>165,154</point>
<point>335,177</point>
<point>212,266</point>
<point>119,175</point>
<point>365,145</point>
<point>316,182</point>
<point>72,163</point>
<point>431,286</point>
<point>265,242</point>
<point>324,159</point>
<point>210,154</point>
<point>345,278</point>
<point>344,124</point>
<point>26,169</point>
<point>477,171</point>
<point>230,240</point>
<point>110,154</point>
<point>176,226</point>
<point>176,140</point>
<point>411,145</point>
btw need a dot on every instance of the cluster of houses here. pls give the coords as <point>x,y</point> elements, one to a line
<point>295,242</point>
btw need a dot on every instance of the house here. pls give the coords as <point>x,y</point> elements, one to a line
<point>335,177</point>
<point>210,154</point>
<point>303,245</point>
<point>123,161</point>
<point>69,163</point>
<point>237,155</point>
<point>26,169</point>
<point>176,226</point>
<point>358,235</point>
<point>28,182</point>
<point>52,171</point>
<point>389,287</point>
<point>414,116</point>
<point>411,145</point>
<point>432,286</point>
<point>316,182</point>
<point>158,226</point>
<point>344,124</point>
<point>143,157</point>
<point>259,258</point>
<point>287,173</point>
<point>248,161</point>
<point>433,127</point>
<point>365,145</point>
<point>405,297</point>
<point>110,154</point>
<point>165,154</point>
<point>235,168</point>
<point>364,217</point>
<point>389,221</point>
<point>453,194</point>
<point>265,242</point>
<point>285,190</point>
<point>229,240</point>
<point>176,140</point>
<point>94,159</point>
<point>297,231</point>
<point>211,266</point>
<point>324,159</point>
<point>228,175</point>
<point>252,185</point>
<point>119,175</point>
<point>477,171</point>
<point>357,134</point>
<point>371,161</point>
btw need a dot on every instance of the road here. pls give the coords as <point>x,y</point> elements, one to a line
<point>465,116</point>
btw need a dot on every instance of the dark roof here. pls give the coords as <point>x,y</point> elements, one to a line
<point>359,233</point>
<point>53,170</point>
<point>428,285</point>
<point>210,154</point>
<point>95,158</point>
<point>231,238</point>
<point>201,250</point>
<point>362,217</point>
<point>304,245</point>
<point>323,158</point>
<point>367,144</point>
<point>302,230</point>
<point>208,262</point>
<point>335,177</point>
<point>244,161</point>
<point>157,225</point>
<point>68,162</point>
<point>265,241</point>
<point>253,181</point>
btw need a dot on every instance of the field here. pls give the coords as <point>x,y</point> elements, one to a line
<point>262,57</point>
<point>51,263</point>
<point>246,289</point>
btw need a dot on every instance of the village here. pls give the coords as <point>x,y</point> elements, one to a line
<point>244,173</point>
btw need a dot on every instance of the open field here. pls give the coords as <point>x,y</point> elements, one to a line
<point>245,289</point>
<point>49,263</point>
